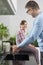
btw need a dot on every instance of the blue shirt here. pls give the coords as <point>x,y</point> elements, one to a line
<point>36,33</point>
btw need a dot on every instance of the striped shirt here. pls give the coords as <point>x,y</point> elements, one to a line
<point>20,36</point>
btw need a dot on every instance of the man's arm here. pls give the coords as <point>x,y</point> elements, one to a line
<point>37,29</point>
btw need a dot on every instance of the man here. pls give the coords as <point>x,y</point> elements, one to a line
<point>37,31</point>
<point>21,35</point>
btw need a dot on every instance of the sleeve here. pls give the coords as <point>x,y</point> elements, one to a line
<point>18,39</point>
<point>37,29</point>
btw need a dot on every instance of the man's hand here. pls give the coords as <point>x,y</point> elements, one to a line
<point>15,49</point>
<point>30,45</point>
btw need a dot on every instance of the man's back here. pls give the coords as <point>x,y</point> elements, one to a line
<point>40,37</point>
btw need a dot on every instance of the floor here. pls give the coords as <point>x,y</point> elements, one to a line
<point>30,62</point>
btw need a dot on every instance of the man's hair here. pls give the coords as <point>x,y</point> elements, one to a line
<point>23,22</point>
<point>32,4</point>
